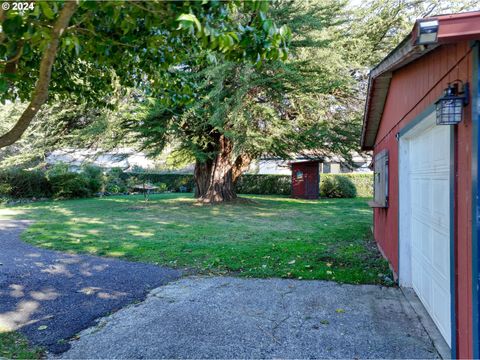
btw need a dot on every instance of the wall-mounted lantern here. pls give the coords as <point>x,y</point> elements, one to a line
<point>427,32</point>
<point>449,107</point>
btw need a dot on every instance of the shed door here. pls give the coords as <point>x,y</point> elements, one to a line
<point>428,174</point>
<point>311,183</point>
<point>298,180</point>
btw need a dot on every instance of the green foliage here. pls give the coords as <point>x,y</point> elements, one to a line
<point>57,182</point>
<point>363,182</point>
<point>19,183</point>
<point>252,184</point>
<point>67,185</point>
<point>264,184</point>
<point>271,236</point>
<point>308,103</point>
<point>162,187</point>
<point>57,169</point>
<point>95,177</point>
<point>113,182</point>
<point>281,184</point>
<point>13,345</point>
<point>147,36</point>
<point>337,186</point>
<point>70,185</point>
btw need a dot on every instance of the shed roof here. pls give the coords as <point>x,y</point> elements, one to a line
<point>451,28</point>
<point>308,161</point>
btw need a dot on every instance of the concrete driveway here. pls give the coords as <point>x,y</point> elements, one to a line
<point>50,296</point>
<point>222,317</point>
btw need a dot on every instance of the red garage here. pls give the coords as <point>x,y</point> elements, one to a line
<point>422,123</point>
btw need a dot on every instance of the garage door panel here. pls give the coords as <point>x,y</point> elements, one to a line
<point>422,247</point>
<point>429,218</point>
<point>441,313</point>
<point>416,269</point>
<point>441,258</point>
<point>441,200</point>
<point>426,286</point>
<point>424,196</point>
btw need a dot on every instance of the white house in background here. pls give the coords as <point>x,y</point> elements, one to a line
<point>124,158</point>
<point>333,165</point>
<point>129,159</point>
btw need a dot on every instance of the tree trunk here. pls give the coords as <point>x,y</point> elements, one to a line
<point>215,179</point>
<point>40,94</point>
<point>202,177</point>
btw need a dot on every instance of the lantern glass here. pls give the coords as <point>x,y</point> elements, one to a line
<point>427,32</point>
<point>449,110</point>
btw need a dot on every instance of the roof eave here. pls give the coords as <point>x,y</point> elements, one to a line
<point>452,28</point>
<point>379,83</point>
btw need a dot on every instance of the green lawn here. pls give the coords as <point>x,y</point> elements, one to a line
<point>272,236</point>
<point>15,346</point>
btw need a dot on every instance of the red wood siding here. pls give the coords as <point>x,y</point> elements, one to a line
<point>413,89</point>
<point>305,180</point>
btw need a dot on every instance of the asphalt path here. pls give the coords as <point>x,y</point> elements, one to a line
<point>51,296</point>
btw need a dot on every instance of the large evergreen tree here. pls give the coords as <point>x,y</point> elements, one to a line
<point>72,49</point>
<point>224,113</point>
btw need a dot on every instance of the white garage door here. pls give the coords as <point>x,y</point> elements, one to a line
<point>428,174</point>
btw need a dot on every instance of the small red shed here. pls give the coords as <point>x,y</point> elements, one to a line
<point>306,179</point>
<point>422,122</point>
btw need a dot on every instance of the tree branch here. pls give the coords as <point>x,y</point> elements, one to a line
<point>40,93</point>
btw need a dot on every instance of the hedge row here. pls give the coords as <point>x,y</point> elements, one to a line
<point>59,183</point>
<point>363,182</point>
<point>255,184</point>
<point>18,183</point>
<point>264,185</point>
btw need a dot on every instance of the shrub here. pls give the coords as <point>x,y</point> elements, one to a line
<point>114,183</point>
<point>19,183</point>
<point>162,187</point>
<point>363,183</point>
<point>94,176</point>
<point>337,186</point>
<point>59,168</point>
<point>5,189</point>
<point>70,185</point>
